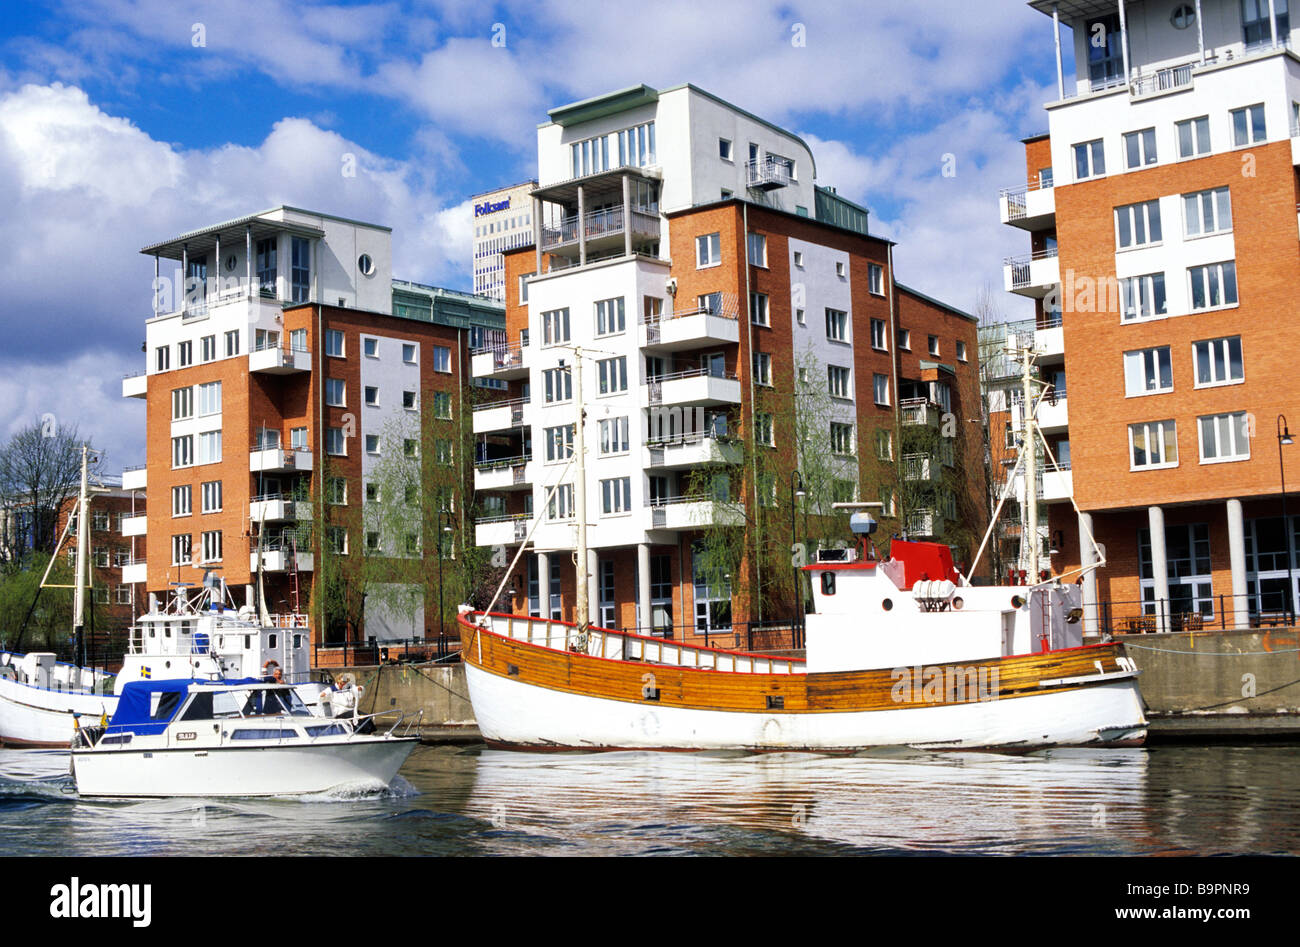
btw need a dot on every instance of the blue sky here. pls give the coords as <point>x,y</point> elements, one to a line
<point>123,122</point>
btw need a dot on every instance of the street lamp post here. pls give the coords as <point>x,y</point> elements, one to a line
<point>1284,438</point>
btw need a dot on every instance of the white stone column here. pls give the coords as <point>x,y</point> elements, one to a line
<point>644,619</point>
<point>1159,566</point>
<point>1056,34</point>
<point>1123,39</point>
<point>1272,21</point>
<point>537,233</point>
<point>1088,559</point>
<point>627,216</point>
<point>593,589</point>
<point>582,226</point>
<point>1200,32</point>
<point>544,584</point>
<point>1237,560</point>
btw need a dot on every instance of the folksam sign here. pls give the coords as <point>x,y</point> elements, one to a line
<point>487,207</point>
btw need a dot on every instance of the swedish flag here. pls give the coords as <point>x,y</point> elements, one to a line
<point>146,673</point>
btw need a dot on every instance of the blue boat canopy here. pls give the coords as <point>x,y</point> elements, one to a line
<point>138,712</point>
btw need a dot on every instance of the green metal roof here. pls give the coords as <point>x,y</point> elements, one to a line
<point>937,302</point>
<point>601,105</point>
<point>840,211</point>
<point>448,307</point>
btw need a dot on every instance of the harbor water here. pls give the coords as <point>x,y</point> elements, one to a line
<point>1162,800</point>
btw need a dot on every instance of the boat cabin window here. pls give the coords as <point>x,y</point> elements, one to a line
<point>828,583</point>
<point>207,705</point>
<point>271,640</point>
<point>264,734</point>
<point>272,702</point>
<point>163,706</point>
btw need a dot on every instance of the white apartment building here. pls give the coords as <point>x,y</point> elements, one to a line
<point>503,220</point>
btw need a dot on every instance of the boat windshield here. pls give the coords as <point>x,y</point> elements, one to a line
<point>272,702</point>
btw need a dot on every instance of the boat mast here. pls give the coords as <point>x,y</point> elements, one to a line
<point>83,550</point>
<point>1029,528</point>
<point>580,496</point>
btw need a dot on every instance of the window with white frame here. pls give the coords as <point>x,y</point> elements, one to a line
<point>182,501</point>
<point>763,368</point>
<point>961,351</point>
<point>212,496</point>
<point>559,442</point>
<point>334,442</point>
<point>842,438</point>
<point>1139,148</point>
<point>410,447</point>
<point>183,451</point>
<point>208,348</point>
<point>185,354</point>
<point>298,438</point>
<point>756,244</point>
<point>334,342</point>
<point>212,545</point>
<point>370,347</point>
<point>557,384</point>
<point>561,506</point>
<point>409,352</point>
<point>616,495</point>
<point>442,359</point>
<point>879,387</point>
<point>613,436</point>
<point>764,432</point>
<point>905,339</point>
<point>209,398</point>
<point>636,145</point>
<point>1248,126</point>
<point>876,278</point>
<point>1193,137</point>
<point>1224,437</point>
<point>1143,297</point>
<point>555,327</point>
<point>335,393</point>
<point>523,287</point>
<point>884,445</point>
<point>840,269</point>
<point>933,343</point>
<point>209,447</point>
<point>1218,361</point>
<point>337,539</point>
<point>408,400</point>
<point>724,149</point>
<point>1207,212</point>
<point>837,325</point>
<point>1213,286</point>
<point>1138,225</point>
<point>182,404</point>
<point>758,309</point>
<point>162,358</point>
<point>708,250</point>
<point>181,550</point>
<point>1089,160</point>
<point>1153,444</point>
<point>372,443</point>
<point>371,393</point>
<point>611,374</point>
<point>442,452</point>
<point>798,258</point>
<point>232,343</point>
<point>610,316</point>
<point>442,405</point>
<point>800,317</point>
<point>878,334</point>
<point>1147,371</point>
<point>838,381</point>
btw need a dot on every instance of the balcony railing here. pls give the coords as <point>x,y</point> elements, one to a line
<point>1048,320</point>
<point>918,411</point>
<point>691,498</point>
<point>1021,266</point>
<point>493,405</point>
<point>503,518</point>
<point>727,307</point>
<point>504,354</point>
<point>599,223</point>
<point>767,173</point>
<point>1169,79</point>
<point>1017,206</point>
<point>497,463</point>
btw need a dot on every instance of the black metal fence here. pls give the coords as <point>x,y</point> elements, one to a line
<point>444,647</point>
<point>1209,613</point>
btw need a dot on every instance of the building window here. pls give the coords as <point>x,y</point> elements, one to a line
<point>212,496</point>
<point>523,287</point>
<point>1089,160</point>
<point>442,359</point>
<point>370,347</point>
<point>933,343</point>
<point>372,541</point>
<point>905,339</point>
<point>181,501</point>
<point>763,368</point>
<point>335,393</point>
<point>185,354</point>
<point>212,546</point>
<point>1193,137</point>
<point>636,146</point>
<point>371,395</point>
<point>879,385</point>
<point>298,438</point>
<point>334,343</point>
<point>763,431</point>
<point>758,314</point>
<point>334,442</point>
<point>441,405</point>
<point>123,595</point>
<point>183,451</point>
<point>182,404</point>
<point>561,506</point>
<point>613,436</point>
<point>559,442</point>
<point>876,278</point>
<point>798,258</point>
<point>616,495</point>
<point>1207,212</point>
<point>410,447</point>
<point>609,316</point>
<point>162,358</point>
<point>1218,361</point>
<point>884,445</point>
<point>1213,286</point>
<point>1147,371</point>
<point>837,325</point>
<point>99,520</point>
<point>1143,297</point>
<point>757,247</point>
<point>612,374</point>
<point>209,399</point>
<point>300,270</point>
<point>266,271</point>
<point>724,149</point>
<point>210,447</point>
<point>409,350</point>
<point>1255,27</point>
<point>555,327</point>
<point>1224,437</point>
<point>838,381</point>
<point>842,438</point>
<point>708,250</point>
<point>372,443</point>
<point>1137,225</point>
<point>1139,148</point>
<point>840,270</point>
<point>337,538</point>
<point>1248,126</point>
<point>208,348</point>
<point>1105,55</point>
<point>557,384</point>
<point>800,317</point>
<point>1153,444</point>
<point>181,550</point>
<point>961,351</point>
<point>232,343</point>
<point>442,453</point>
<point>408,400</point>
<point>878,334</point>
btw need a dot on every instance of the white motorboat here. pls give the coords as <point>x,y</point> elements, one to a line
<point>233,738</point>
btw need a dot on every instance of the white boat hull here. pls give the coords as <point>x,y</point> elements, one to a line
<point>513,713</point>
<point>274,770</point>
<point>36,717</point>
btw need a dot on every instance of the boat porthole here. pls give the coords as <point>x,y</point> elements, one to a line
<point>887,604</point>
<point>169,664</point>
<point>1017,601</point>
<point>958,603</point>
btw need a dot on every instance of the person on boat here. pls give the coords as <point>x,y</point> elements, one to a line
<point>272,673</point>
<point>345,696</point>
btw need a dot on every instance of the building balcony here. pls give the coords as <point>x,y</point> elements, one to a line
<point>1033,275</point>
<point>765,174</point>
<point>135,525</point>
<point>504,361</point>
<point>604,230</point>
<point>135,386</point>
<point>1030,207</point>
<point>920,468</point>
<point>693,328</point>
<point>277,360</point>
<point>278,460</point>
<point>680,453</point>
<point>696,387</point>
<point>135,573</point>
<point>502,530</point>
<point>279,557</point>
<point>501,415</point>
<point>1056,484</point>
<point>919,411</point>
<point>278,506</point>
<point>1054,414</point>
<point>1049,338</point>
<point>134,478</point>
<point>922,523</point>
<point>692,512</point>
<point>507,473</point>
